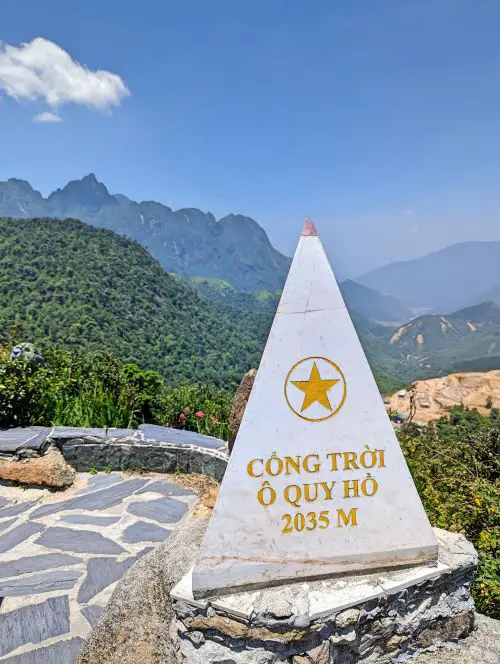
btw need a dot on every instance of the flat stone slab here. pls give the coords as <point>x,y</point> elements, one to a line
<point>92,613</point>
<point>63,652</point>
<point>166,488</point>
<point>29,437</point>
<point>142,531</point>
<point>165,510</point>
<point>32,564</point>
<point>39,583</point>
<point>89,520</point>
<point>78,541</point>
<point>66,433</point>
<point>3,502</point>
<point>95,500</point>
<point>15,509</point>
<point>32,624</point>
<point>102,572</point>
<point>5,524</point>
<point>17,535</point>
<point>180,437</point>
<point>101,481</point>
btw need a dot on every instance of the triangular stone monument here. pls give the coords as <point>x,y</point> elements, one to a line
<point>316,484</point>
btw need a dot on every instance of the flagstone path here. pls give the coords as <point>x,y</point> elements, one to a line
<point>61,556</point>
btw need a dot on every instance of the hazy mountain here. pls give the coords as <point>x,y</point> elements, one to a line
<point>466,340</point>
<point>443,281</point>
<point>188,242</point>
<point>372,305</point>
<point>363,302</point>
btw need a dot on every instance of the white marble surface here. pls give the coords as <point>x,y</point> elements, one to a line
<point>245,544</point>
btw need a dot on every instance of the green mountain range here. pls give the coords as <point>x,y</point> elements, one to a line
<point>433,345</point>
<point>188,242</point>
<point>72,285</point>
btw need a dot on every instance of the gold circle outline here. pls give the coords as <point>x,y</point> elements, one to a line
<point>344,395</point>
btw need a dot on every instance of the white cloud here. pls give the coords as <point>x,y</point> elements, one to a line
<point>42,70</point>
<point>47,116</point>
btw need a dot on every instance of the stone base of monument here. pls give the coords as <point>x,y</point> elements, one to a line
<point>382,617</point>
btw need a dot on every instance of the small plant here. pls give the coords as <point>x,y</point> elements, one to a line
<point>108,469</point>
<point>92,471</point>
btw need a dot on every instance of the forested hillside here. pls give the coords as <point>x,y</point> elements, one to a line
<point>66,283</point>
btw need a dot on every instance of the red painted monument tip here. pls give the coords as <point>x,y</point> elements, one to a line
<point>309,228</point>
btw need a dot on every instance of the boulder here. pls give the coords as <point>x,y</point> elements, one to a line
<point>51,469</point>
<point>239,404</point>
<point>136,626</point>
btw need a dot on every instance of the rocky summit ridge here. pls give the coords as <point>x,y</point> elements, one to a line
<point>188,241</point>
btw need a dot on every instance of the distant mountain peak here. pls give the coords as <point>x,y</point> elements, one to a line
<point>87,192</point>
<point>188,242</point>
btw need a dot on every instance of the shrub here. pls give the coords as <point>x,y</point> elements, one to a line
<point>455,466</point>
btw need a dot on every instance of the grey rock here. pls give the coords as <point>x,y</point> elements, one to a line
<point>6,524</point>
<point>102,572</point>
<point>3,502</point>
<point>32,564</point>
<point>95,500</point>
<point>39,583</point>
<point>165,510</point>
<point>18,534</point>
<point>16,509</point>
<point>347,618</point>
<point>92,613</point>
<point>123,635</point>
<point>101,481</point>
<point>33,623</point>
<point>78,541</point>
<point>217,653</point>
<point>481,647</point>
<point>64,652</point>
<point>88,519</point>
<point>179,436</point>
<point>31,437</point>
<point>142,531</point>
<point>165,488</point>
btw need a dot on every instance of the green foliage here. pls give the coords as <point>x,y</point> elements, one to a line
<point>201,408</point>
<point>455,464</point>
<point>82,288</point>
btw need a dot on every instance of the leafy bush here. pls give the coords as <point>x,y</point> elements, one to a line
<point>201,408</point>
<point>455,465</point>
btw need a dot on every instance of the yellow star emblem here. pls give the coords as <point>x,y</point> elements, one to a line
<point>315,389</point>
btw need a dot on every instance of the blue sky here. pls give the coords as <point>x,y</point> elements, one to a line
<point>378,119</point>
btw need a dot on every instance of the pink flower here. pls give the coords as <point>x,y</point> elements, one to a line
<point>199,414</point>
<point>187,409</point>
<point>182,417</point>
<point>214,420</point>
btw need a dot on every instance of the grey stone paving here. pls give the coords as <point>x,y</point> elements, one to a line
<point>102,572</point>
<point>34,623</point>
<point>39,583</point>
<point>78,541</point>
<point>95,500</point>
<point>165,488</point>
<point>89,520</point>
<point>5,524</point>
<point>32,564</point>
<point>74,553</point>
<point>31,437</point>
<point>15,510</point>
<point>19,534</point>
<point>64,652</point>
<point>165,510</point>
<point>92,613</point>
<point>142,531</point>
